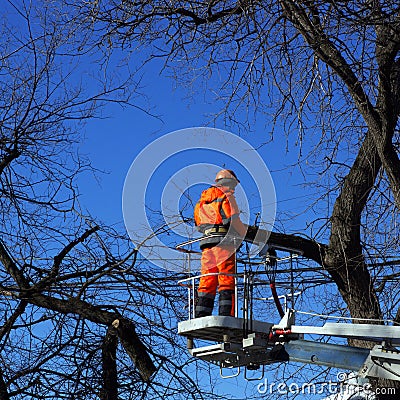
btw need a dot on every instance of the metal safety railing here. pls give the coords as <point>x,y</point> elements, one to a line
<point>191,284</point>
<point>243,300</point>
<point>245,281</point>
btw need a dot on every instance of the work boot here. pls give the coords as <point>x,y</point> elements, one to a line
<point>204,304</point>
<point>226,303</point>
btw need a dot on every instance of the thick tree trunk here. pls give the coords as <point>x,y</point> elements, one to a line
<point>344,259</point>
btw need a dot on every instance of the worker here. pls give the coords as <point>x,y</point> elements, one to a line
<point>217,217</point>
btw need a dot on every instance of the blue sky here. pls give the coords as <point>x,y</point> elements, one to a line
<point>113,143</point>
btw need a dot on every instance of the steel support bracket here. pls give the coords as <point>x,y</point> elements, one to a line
<point>381,363</point>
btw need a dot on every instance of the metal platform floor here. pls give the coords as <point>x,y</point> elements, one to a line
<point>214,327</point>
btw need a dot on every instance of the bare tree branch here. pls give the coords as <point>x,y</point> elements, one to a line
<point>109,364</point>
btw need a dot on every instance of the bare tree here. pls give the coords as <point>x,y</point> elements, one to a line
<point>332,68</point>
<point>82,316</point>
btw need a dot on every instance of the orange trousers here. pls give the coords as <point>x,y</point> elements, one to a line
<point>217,260</point>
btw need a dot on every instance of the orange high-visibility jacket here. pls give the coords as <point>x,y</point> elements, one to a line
<point>215,208</point>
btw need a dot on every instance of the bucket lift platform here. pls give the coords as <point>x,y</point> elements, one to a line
<point>235,342</point>
<point>267,344</point>
<point>232,348</point>
<point>217,328</point>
